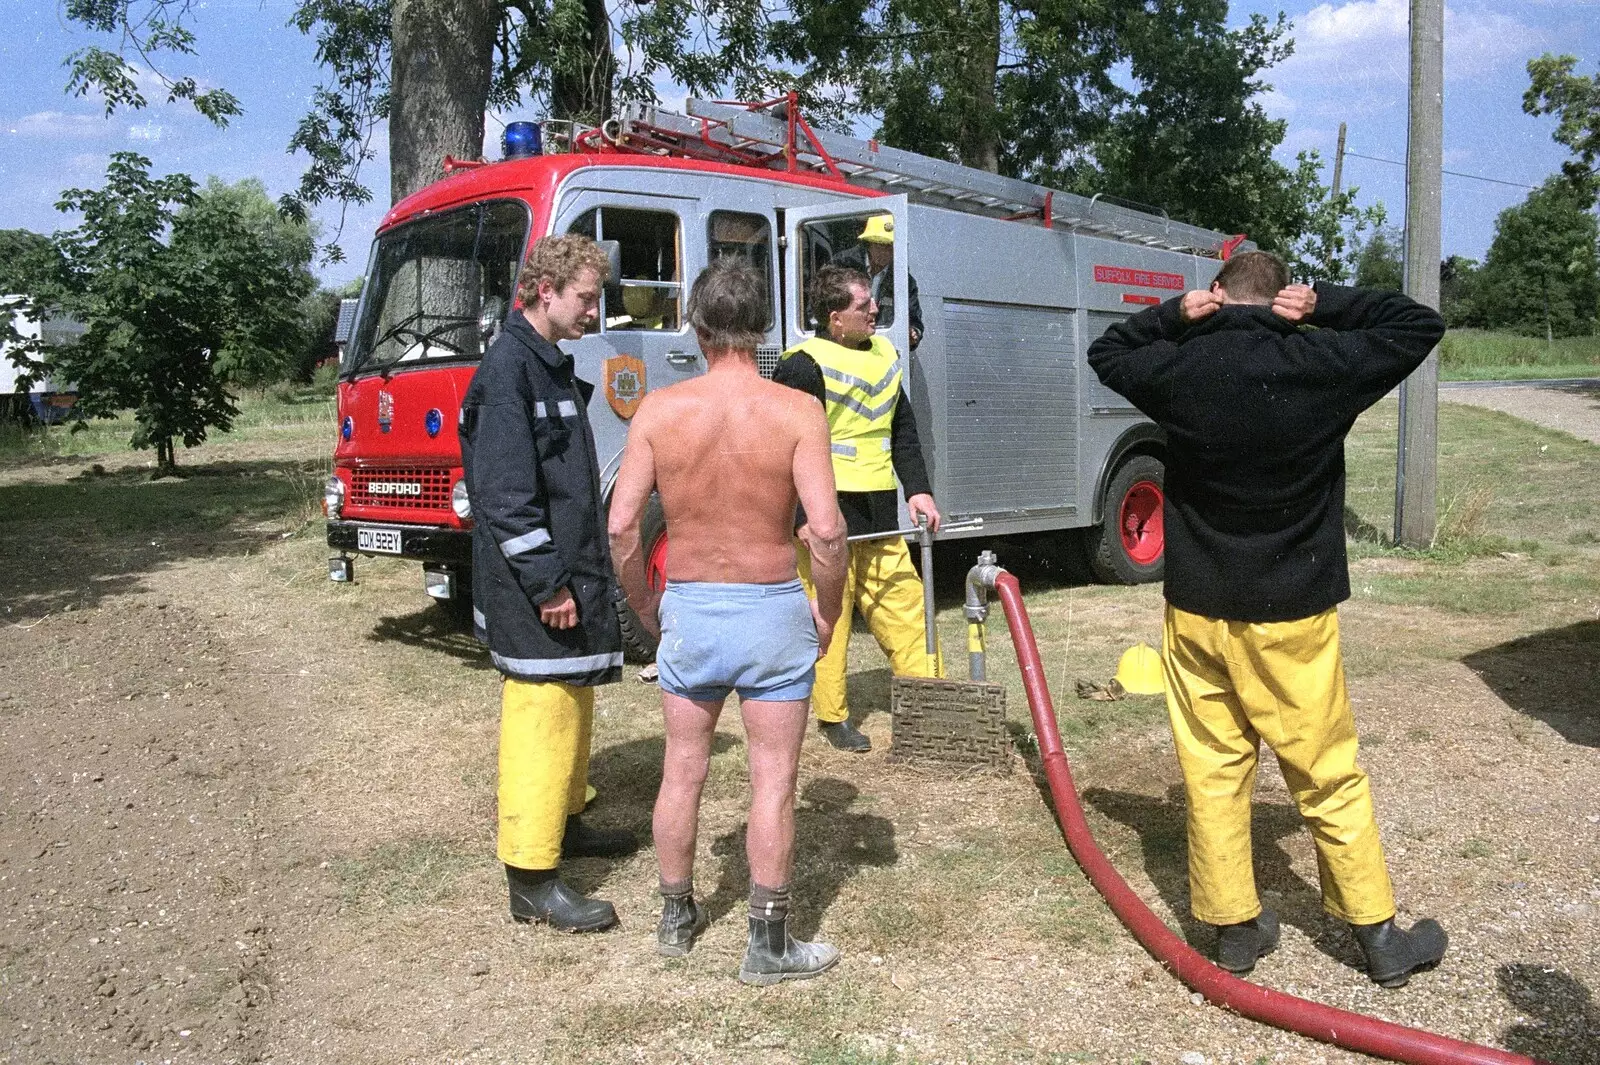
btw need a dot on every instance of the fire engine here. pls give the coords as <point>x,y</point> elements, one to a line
<point>1015,280</point>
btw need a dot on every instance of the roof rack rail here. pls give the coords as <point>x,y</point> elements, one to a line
<point>773,135</point>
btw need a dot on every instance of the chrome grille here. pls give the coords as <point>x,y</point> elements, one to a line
<point>433,480</point>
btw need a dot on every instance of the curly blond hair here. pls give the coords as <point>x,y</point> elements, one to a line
<point>561,259</point>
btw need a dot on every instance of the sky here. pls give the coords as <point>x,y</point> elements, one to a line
<point>1349,65</point>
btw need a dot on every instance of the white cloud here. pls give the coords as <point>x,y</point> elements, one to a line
<point>1364,43</point>
<point>58,125</point>
<point>145,131</point>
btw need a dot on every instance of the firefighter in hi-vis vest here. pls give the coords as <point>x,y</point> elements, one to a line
<point>856,374</point>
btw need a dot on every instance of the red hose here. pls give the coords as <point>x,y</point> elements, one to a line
<point>1353,1031</point>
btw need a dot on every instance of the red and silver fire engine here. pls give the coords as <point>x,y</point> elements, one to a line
<point>1015,280</point>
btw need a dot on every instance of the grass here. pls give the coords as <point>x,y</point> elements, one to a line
<point>406,873</point>
<point>270,413</point>
<point>1479,355</point>
<point>929,873</point>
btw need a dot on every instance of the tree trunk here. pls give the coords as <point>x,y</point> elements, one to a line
<point>442,60</point>
<point>581,87</point>
<point>977,132</point>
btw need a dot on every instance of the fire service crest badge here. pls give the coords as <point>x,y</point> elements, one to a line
<point>625,384</point>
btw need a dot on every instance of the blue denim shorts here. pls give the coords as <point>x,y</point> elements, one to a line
<point>756,639</point>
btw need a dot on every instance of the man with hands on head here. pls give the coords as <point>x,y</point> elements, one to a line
<point>732,455</point>
<point>855,373</point>
<point>542,583</point>
<point>1256,411</point>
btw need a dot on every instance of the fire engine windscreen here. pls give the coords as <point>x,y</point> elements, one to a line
<point>431,280</point>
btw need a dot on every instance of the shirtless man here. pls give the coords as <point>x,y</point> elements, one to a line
<point>731,455</point>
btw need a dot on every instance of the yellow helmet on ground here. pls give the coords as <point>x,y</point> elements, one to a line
<point>879,229</point>
<point>1139,671</point>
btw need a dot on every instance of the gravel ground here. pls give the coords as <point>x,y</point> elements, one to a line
<point>1571,406</point>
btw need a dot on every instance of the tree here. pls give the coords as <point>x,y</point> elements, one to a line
<point>184,291</point>
<point>1555,90</point>
<point>1380,260</point>
<point>1458,284</point>
<point>1542,274</point>
<point>1022,87</point>
<point>30,265</point>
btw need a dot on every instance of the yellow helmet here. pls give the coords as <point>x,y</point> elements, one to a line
<point>879,229</point>
<point>1139,671</point>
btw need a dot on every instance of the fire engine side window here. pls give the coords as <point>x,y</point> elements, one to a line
<point>746,238</point>
<point>837,242</point>
<point>649,292</point>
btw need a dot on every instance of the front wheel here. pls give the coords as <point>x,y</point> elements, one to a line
<point>637,644</point>
<point>1129,544</point>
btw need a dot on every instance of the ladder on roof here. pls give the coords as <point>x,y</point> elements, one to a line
<point>774,136</point>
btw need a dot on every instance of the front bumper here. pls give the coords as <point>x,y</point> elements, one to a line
<point>425,543</point>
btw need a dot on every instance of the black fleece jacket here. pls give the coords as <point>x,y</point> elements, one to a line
<point>1256,411</point>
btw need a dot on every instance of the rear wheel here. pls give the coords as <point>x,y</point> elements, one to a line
<point>1129,544</point>
<point>637,643</point>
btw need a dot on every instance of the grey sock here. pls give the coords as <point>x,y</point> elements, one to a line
<point>769,904</point>
<point>677,888</point>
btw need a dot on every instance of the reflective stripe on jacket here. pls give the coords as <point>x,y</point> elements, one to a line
<point>863,387</point>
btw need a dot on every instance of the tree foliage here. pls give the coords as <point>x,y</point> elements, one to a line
<point>1541,275</point>
<point>184,291</point>
<point>1380,259</point>
<point>149,28</point>
<point>1555,90</point>
<point>1157,102</point>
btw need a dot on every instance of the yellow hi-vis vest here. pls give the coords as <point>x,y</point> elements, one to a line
<point>862,388</point>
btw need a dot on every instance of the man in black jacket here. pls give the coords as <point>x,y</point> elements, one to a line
<point>1256,412</point>
<point>542,582</point>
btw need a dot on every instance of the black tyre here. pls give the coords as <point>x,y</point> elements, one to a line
<point>1129,544</point>
<point>638,645</point>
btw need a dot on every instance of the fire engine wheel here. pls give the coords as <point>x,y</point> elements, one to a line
<point>1128,545</point>
<point>637,643</point>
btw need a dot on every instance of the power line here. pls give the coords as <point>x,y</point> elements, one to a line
<point>1452,173</point>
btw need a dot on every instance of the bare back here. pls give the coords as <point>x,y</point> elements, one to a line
<point>724,450</point>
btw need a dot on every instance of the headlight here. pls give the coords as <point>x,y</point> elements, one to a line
<point>459,501</point>
<point>333,497</point>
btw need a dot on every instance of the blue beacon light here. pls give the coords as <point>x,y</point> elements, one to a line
<point>521,140</point>
<point>433,422</point>
<point>348,428</point>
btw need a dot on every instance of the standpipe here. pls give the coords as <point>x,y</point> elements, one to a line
<point>1353,1031</point>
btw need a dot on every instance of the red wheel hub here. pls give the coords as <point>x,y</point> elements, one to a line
<point>655,566</point>
<point>1139,521</point>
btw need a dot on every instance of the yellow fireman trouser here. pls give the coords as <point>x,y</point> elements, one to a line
<point>1231,684</point>
<point>544,768</point>
<point>882,584</point>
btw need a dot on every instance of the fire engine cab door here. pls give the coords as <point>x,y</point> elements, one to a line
<point>641,341</point>
<point>832,233</point>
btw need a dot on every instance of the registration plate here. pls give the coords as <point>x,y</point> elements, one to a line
<point>382,541</point>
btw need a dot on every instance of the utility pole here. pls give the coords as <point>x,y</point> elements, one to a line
<point>1416,468</point>
<point>1338,162</point>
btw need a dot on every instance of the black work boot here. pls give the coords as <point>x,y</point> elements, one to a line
<point>773,955</point>
<point>1240,946</point>
<point>846,737</point>
<point>581,841</point>
<point>541,895</point>
<point>1393,955</point>
<point>682,919</point>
